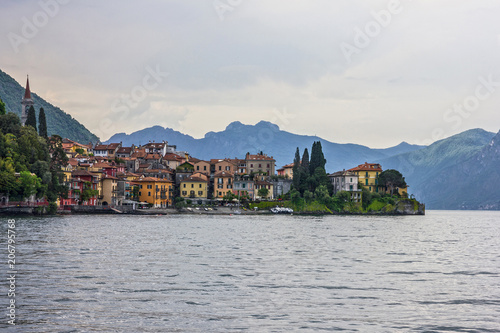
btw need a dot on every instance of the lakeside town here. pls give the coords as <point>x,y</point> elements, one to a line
<point>116,178</point>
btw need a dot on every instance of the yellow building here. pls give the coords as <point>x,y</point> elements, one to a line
<point>158,192</point>
<point>194,187</point>
<point>368,175</point>
<point>223,183</point>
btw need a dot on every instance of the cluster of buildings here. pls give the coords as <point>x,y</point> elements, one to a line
<point>156,173</point>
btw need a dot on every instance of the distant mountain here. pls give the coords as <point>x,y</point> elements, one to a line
<point>459,172</point>
<point>58,122</point>
<point>473,182</point>
<point>238,139</point>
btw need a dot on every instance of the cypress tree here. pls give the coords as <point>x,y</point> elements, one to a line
<point>42,124</point>
<point>296,169</point>
<point>305,162</point>
<point>317,157</point>
<point>31,119</point>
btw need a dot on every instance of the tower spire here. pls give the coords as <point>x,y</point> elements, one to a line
<point>27,102</point>
<point>27,92</point>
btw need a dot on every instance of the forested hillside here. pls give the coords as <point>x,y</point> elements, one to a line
<point>58,121</point>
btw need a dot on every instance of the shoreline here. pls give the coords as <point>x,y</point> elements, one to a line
<point>92,210</point>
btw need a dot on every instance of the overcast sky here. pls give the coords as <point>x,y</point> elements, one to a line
<point>369,72</point>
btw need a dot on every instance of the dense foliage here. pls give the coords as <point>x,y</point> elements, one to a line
<point>58,122</point>
<point>42,124</point>
<point>29,164</point>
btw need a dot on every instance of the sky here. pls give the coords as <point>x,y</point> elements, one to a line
<point>368,72</point>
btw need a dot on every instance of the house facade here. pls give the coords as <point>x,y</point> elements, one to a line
<point>368,175</point>
<point>346,181</point>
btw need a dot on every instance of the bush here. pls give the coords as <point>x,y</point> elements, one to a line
<point>375,206</point>
<point>52,208</point>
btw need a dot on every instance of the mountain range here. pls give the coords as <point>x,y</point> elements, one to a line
<point>238,139</point>
<point>58,121</point>
<point>459,172</point>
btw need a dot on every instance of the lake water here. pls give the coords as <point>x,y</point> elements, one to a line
<point>433,273</point>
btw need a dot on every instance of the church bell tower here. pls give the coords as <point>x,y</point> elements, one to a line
<point>26,102</point>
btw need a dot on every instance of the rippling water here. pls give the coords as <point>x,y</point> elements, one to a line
<point>433,273</point>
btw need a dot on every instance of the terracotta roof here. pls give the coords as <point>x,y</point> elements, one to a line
<point>153,157</point>
<point>139,154</point>
<point>343,173</point>
<point>223,174</point>
<point>194,179</point>
<point>262,182</point>
<point>259,157</point>
<point>108,177</point>
<point>367,167</point>
<point>156,145</point>
<point>288,166</point>
<point>152,179</point>
<point>82,173</point>
<point>101,147</point>
<point>73,161</point>
<point>124,150</point>
<point>172,157</point>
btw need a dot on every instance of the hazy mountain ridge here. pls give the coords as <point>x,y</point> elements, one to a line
<point>453,173</point>
<point>58,121</point>
<point>238,139</point>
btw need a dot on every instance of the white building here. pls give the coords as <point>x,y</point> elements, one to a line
<point>346,181</point>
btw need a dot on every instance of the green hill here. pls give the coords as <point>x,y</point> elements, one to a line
<point>58,121</point>
<point>459,172</point>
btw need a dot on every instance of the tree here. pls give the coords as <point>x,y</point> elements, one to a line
<point>42,124</point>
<point>305,162</point>
<point>2,107</point>
<point>391,178</point>
<point>263,192</point>
<point>317,158</point>
<point>31,120</point>
<point>10,123</point>
<point>296,170</point>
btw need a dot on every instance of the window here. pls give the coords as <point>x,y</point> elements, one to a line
<point>243,185</point>
<point>200,186</point>
<point>198,168</point>
<point>140,186</point>
<point>184,193</point>
<point>192,185</point>
<point>200,193</point>
<point>351,180</point>
<point>149,194</point>
<point>260,165</point>
<point>220,167</point>
<point>205,168</point>
<point>140,193</point>
<point>251,165</point>
<point>366,181</point>
<point>366,175</point>
<point>220,181</point>
<point>184,185</point>
<point>268,165</point>
<point>350,187</point>
<point>228,168</point>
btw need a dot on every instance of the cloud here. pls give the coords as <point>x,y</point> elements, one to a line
<point>264,56</point>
